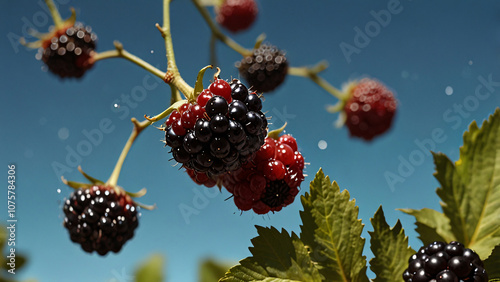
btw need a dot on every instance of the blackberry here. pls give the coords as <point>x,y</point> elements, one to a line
<point>225,128</point>
<point>68,53</point>
<point>271,180</point>
<point>445,262</point>
<point>99,219</point>
<point>265,69</point>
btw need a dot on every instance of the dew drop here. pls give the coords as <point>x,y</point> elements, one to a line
<point>448,90</point>
<point>322,144</point>
<point>63,133</point>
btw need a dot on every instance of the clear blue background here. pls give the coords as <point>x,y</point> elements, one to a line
<point>424,49</point>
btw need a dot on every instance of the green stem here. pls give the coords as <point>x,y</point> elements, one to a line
<point>138,127</point>
<point>56,17</point>
<point>174,76</point>
<point>312,74</point>
<point>218,33</point>
<point>122,53</point>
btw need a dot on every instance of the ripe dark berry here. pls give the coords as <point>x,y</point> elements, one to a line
<point>237,15</point>
<point>100,219</point>
<point>435,262</point>
<point>216,105</point>
<point>265,69</point>
<point>370,109</point>
<point>238,90</point>
<point>238,111</point>
<point>253,103</point>
<point>218,137</point>
<point>461,266</point>
<point>264,184</point>
<point>446,276</point>
<point>69,51</point>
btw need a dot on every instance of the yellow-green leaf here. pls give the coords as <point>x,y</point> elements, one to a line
<point>276,255</point>
<point>151,270</point>
<point>431,225</point>
<point>332,231</point>
<point>211,270</point>
<point>470,188</point>
<point>390,247</point>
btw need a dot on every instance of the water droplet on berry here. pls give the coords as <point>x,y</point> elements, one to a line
<point>448,90</point>
<point>322,144</point>
<point>63,133</point>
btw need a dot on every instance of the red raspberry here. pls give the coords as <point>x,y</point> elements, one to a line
<point>267,184</point>
<point>221,88</point>
<point>369,109</point>
<point>100,219</point>
<point>237,15</point>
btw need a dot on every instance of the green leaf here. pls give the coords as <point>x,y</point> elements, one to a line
<point>211,270</point>
<point>275,255</point>
<point>332,231</point>
<point>469,192</point>
<point>151,270</point>
<point>390,246</point>
<point>470,189</point>
<point>492,263</point>
<point>431,225</point>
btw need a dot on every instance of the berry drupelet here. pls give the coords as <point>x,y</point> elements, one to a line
<point>100,219</point>
<point>445,263</point>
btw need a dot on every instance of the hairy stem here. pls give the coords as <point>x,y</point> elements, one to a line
<point>138,127</point>
<point>122,53</point>
<point>218,33</point>
<point>173,75</point>
<point>312,74</point>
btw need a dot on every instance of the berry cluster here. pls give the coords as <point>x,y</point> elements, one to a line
<point>445,263</point>
<point>265,69</point>
<point>369,109</point>
<point>99,219</point>
<point>68,52</point>
<point>218,133</point>
<point>270,182</point>
<point>237,15</point>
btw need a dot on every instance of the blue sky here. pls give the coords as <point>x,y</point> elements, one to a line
<point>440,58</point>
